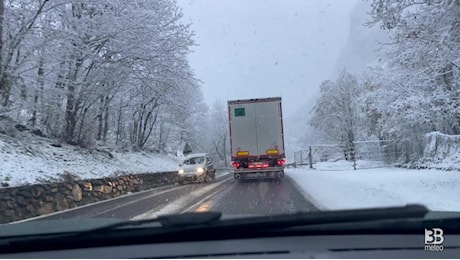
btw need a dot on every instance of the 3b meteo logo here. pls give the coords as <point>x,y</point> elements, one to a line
<point>434,238</point>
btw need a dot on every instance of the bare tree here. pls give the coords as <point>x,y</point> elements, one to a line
<point>219,131</point>
<point>337,112</point>
<point>111,71</point>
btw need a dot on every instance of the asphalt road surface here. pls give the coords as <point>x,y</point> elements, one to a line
<point>226,195</point>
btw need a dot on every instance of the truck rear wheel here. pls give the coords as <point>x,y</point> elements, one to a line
<point>279,176</point>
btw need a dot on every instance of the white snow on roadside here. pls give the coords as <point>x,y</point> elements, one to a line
<point>379,187</point>
<point>36,160</point>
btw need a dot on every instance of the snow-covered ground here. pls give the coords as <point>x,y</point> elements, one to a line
<point>30,159</point>
<point>344,188</point>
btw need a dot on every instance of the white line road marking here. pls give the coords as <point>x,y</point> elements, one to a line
<point>223,174</point>
<point>196,205</point>
<point>138,200</point>
<point>178,205</point>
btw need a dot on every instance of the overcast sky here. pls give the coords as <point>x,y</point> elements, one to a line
<point>263,48</point>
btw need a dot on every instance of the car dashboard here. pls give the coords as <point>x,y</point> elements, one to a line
<point>316,246</point>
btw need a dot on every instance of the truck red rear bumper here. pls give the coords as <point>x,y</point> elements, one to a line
<point>272,173</point>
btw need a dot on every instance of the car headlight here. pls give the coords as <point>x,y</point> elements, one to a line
<point>200,170</point>
<point>181,171</point>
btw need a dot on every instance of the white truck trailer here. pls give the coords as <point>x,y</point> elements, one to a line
<point>257,138</point>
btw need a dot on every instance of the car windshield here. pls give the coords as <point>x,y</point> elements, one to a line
<point>196,160</point>
<point>280,106</point>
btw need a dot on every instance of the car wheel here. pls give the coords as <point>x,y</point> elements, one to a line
<point>202,179</point>
<point>210,178</point>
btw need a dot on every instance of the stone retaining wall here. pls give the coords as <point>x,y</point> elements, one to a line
<point>18,203</point>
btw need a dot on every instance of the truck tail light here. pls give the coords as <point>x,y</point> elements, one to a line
<point>281,162</point>
<point>236,165</point>
<point>258,165</point>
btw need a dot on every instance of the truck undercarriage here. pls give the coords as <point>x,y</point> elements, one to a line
<point>268,168</point>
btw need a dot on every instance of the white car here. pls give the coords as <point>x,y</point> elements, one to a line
<point>196,168</point>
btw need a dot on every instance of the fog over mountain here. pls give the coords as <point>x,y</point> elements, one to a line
<point>359,52</point>
<point>363,43</point>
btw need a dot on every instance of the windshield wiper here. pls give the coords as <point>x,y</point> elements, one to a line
<point>166,221</point>
<point>208,226</point>
<point>204,219</point>
<point>341,216</point>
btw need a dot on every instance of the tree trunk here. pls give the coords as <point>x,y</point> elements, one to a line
<point>4,92</point>
<point>225,150</point>
<point>100,119</point>
<point>69,116</point>
<point>70,119</point>
<point>106,120</point>
<point>119,126</point>
<point>72,107</point>
<point>2,11</point>
<point>38,94</point>
<point>80,138</point>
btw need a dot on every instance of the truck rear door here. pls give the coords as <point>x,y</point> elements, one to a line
<point>256,128</point>
<point>243,129</point>
<point>269,128</point>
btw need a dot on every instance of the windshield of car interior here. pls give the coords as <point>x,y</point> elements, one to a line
<point>299,105</point>
<point>196,160</point>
